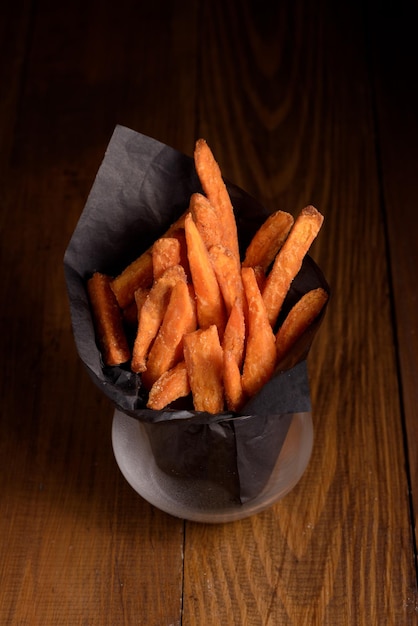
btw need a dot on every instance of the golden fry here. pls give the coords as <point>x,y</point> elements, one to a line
<point>228,274</point>
<point>289,260</point>
<point>204,361</point>
<point>205,322</point>
<point>299,318</point>
<point>234,337</point>
<point>234,393</point>
<point>260,277</point>
<point>206,219</point>
<point>167,349</point>
<point>108,320</point>
<point>180,235</point>
<point>131,313</point>
<point>152,314</point>
<point>172,385</point>
<point>140,297</point>
<point>268,240</point>
<point>165,254</point>
<point>139,273</point>
<point>260,354</point>
<point>209,302</point>
<point>215,189</point>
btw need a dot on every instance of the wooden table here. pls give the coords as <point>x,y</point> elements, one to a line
<point>303,102</point>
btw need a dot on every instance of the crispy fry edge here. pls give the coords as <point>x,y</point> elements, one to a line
<point>108,319</point>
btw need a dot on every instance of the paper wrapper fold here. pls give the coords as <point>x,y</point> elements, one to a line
<point>141,188</point>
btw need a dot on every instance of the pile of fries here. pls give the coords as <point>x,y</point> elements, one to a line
<point>204,320</point>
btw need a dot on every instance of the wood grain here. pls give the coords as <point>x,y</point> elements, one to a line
<point>353,486</point>
<point>78,545</point>
<point>293,99</point>
<point>396,103</point>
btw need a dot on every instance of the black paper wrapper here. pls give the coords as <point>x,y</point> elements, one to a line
<point>141,188</point>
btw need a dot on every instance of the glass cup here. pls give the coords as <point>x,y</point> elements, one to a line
<point>211,490</point>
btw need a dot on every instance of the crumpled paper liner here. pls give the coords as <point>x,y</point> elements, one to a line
<point>142,186</point>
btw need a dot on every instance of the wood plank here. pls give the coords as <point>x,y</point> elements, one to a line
<point>78,545</point>
<point>15,20</point>
<point>287,107</point>
<point>395,67</point>
<point>283,97</point>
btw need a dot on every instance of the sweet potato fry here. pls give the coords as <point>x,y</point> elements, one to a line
<point>140,296</point>
<point>206,219</point>
<point>131,313</point>
<point>289,260</point>
<point>206,324</point>
<point>215,189</point>
<point>209,302</point>
<point>234,337</point>
<point>260,354</point>
<point>268,240</point>
<point>167,349</point>
<point>152,314</point>
<point>165,254</point>
<point>172,385</point>
<point>139,273</point>
<point>108,320</point>
<point>260,277</point>
<point>228,274</point>
<point>234,394</point>
<point>180,235</point>
<point>299,318</point>
<point>204,361</point>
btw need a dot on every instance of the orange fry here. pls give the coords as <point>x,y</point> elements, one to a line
<point>209,302</point>
<point>108,320</point>
<point>260,277</point>
<point>167,349</point>
<point>180,235</point>
<point>204,361</point>
<point>140,297</point>
<point>215,189</point>
<point>289,260</point>
<point>131,313</point>
<point>206,219</point>
<point>234,393</point>
<point>234,337</point>
<point>172,385</point>
<point>268,240</point>
<point>260,354</point>
<point>228,274</point>
<point>152,314</point>
<point>165,254</point>
<point>139,273</point>
<point>299,318</point>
